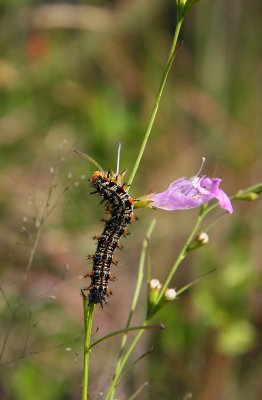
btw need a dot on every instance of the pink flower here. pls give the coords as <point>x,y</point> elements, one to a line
<point>189,193</point>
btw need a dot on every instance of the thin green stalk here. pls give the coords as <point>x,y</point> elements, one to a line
<point>255,189</point>
<point>171,56</point>
<point>169,63</point>
<point>134,363</point>
<point>190,284</point>
<point>136,293</point>
<point>180,257</point>
<point>88,319</point>
<point>140,271</point>
<point>113,386</point>
<point>125,330</point>
<point>138,391</point>
<point>38,234</point>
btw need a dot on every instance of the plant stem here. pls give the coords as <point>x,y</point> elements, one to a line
<point>134,302</point>
<point>169,63</point>
<point>122,360</point>
<point>180,257</point>
<point>88,319</point>
<point>113,386</point>
<point>125,330</point>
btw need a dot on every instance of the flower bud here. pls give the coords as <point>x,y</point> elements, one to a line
<point>251,196</point>
<point>154,302</point>
<point>154,284</point>
<point>170,294</point>
<point>199,241</point>
<point>203,238</point>
<point>154,287</point>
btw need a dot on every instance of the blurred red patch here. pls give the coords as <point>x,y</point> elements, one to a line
<point>36,46</point>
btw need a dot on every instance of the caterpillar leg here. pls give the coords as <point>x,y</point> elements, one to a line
<point>119,246</point>
<point>111,277</point>
<point>89,275</point>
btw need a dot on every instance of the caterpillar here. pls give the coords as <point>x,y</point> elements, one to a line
<point>120,207</point>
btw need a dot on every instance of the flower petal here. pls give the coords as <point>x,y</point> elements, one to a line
<point>224,201</point>
<point>186,193</point>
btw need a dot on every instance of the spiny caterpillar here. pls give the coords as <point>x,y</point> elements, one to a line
<point>120,207</point>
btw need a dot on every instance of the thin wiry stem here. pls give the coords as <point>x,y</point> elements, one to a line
<point>136,294</point>
<point>8,331</point>
<point>28,268</point>
<point>44,349</point>
<point>130,367</point>
<point>43,219</point>
<point>168,66</point>
<point>114,384</point>
<point>29,326</point>
<point>125,330</point>
<point>6,300</point>
<point>138,391</point>
<point>180,257</point>
<point>190,284</point>
<point>88,319</point>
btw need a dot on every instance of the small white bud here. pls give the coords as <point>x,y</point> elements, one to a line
<point>70,175</point>
<point>153,291</point>
<point>203,238</point>
<point>52,170</point>
<point>170,294</point>
<point>154,284</point>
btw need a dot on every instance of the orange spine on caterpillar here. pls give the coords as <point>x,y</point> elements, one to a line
<point>120,207</point>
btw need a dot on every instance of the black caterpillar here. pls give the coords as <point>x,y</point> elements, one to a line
<point>120,206</point>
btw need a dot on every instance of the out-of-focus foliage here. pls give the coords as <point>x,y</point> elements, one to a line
<point>85,74</point>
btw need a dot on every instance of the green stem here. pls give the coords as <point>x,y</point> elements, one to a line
<point>255,188</point>
<point>113,386</point>
<point>134,302</point>
<point>180,257</point>
<point>169,63</point>
<point>88,319</point>
<point>125,330</point>
<point>122,360</point>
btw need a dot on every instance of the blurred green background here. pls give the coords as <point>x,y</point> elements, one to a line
<point>85,74</point>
